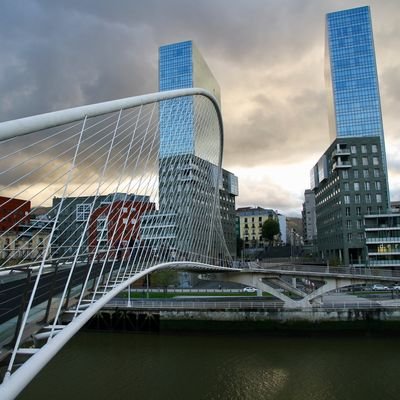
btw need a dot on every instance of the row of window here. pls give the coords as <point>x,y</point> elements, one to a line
<point>359,224</point>
<point>350,236</point>
<point>367,185</point>
<point>356,174</point>
<point>246,226</point>
<point>357,198</point>
<point>253,219</point>
<point>246,239</point>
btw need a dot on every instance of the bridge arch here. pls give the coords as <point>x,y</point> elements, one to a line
<point>127,168</point>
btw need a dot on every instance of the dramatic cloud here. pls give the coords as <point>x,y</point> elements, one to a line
<point>267,55</point>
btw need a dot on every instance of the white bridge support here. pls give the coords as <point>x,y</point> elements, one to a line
<point>272,282</point>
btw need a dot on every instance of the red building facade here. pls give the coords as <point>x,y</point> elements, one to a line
<point>116,226</point>
<point>13,213</point>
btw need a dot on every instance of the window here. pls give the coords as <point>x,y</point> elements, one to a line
<point>348,224</point>
<point>369,210</point>
<point>346,199</point>
<point>359,224</point>
<point>368,198</point>
<point>260,219</point>
<point>367,185</point>
<point>378,185</point>
<point>374,148</point>
<point>357,199</point>
<point>355,172</point>
<point>356,186</point>
<point>366,173</point>
<point>376,173</point>
<point>82,212</point>
<point>365,161</point>
<point>363,148</point>
<point>346,186</point>
<point>353,149</point>
<point>245,220</point>
<point>345,174</point>
<point>349,237</point>
<point>375,160</point>
<point>378,198</point>
<point>380,210</point>
<point>358,211</point>
<point>354,161</point>
<point>347,211</point>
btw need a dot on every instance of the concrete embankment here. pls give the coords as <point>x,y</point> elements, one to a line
<point>359,319</point>
<point>374,321</point>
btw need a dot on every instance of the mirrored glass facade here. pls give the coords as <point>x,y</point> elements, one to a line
<point>181,66</point>
<point>176,72</point>
<point>190,152</point>
<point>351,75</point>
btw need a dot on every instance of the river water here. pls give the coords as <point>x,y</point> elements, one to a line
<point>220,366</point>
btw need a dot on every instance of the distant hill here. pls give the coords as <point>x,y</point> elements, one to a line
<point>295,223</point>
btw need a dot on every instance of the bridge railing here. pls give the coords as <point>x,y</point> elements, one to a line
<point>347,270</point>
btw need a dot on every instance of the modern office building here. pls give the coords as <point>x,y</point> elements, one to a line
<point>309,219</point>
<point>349,182</point>
<point>228,190</point>
<point>185,165</point>
<point>182,66</point>
<point>350,179</point>
<point>74,215</point>
<point>382,233</point>
<point>351,76</point>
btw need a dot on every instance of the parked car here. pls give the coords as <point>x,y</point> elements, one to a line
<point>249,290</point>
<point>379,288</point>
<point>396,287</point>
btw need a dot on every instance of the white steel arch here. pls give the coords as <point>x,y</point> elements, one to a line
<point>118,208</point>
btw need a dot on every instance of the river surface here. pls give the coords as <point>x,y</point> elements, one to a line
<point>220,366</point>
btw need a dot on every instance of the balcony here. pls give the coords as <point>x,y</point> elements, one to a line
<point>340,152</point>
<point>379,240</point>
<point>386,263</point>
<point>341,165</point>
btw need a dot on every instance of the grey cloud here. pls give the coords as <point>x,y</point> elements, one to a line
<point>58,54</point>
<point>279,133</point>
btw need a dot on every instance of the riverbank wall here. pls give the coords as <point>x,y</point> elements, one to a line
<point>276,322</point>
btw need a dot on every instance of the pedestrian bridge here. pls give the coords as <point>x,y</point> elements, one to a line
<point>302,286</point>
<point>94,198</point>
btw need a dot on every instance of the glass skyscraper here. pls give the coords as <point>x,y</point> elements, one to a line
<point>189,156</point>
<point>350,179</point>
<point>351,75</point>
<point>181,66</point>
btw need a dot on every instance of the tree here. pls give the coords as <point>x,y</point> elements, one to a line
<point>270,228</point>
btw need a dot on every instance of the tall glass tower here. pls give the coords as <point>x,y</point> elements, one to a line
<point>181,66</point>
<point>189,156</point>
<point>351,76</point>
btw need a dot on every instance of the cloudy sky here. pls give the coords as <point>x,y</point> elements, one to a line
<point>268,56</point>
